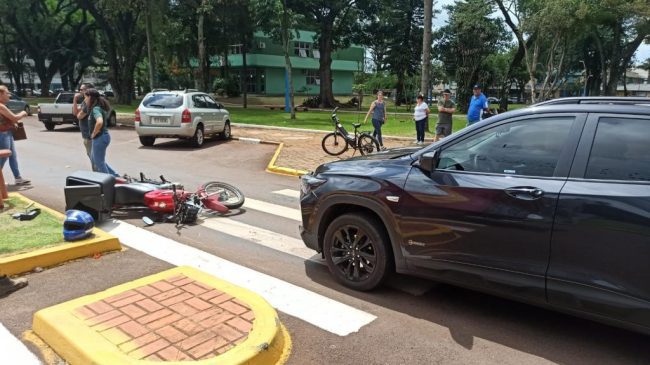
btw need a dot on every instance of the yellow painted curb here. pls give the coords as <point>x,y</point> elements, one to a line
<point>267,343</point>
<point>98,243</point>
<point>282,170</point>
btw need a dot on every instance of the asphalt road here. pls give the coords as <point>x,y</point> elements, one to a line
<point>442,324</point>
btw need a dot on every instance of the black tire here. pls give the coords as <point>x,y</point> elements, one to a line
<point>229,195</point>
<point>49,126</point>
<point>199,137</point>
<point>367,144</point>
<point>362,263</point>
<point>112,121</point>
<point>147,141</point>
<point>28,110</point>
<point>334,144</point>
<point>227,132</point>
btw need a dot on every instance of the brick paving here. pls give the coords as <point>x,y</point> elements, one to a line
<point>302,150</point>
<point>174,319</point>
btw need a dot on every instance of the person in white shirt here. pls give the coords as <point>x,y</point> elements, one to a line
<point>421,116</point>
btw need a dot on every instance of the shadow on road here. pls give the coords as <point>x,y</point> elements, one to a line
<point>470,315</point>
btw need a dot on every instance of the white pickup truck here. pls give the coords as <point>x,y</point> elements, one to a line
<point>61,112</point>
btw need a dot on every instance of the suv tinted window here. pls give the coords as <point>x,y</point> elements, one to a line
<point>530,147</point>
<point>163,101</point>
<point>199,101</point>
<point>620,150</point>
<point>211,103</point>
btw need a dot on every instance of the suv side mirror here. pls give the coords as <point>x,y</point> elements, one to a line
<point>428,161</point>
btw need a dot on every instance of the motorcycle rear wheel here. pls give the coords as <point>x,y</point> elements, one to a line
<point>228,195</point>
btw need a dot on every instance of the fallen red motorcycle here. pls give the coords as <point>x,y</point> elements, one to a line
<point>99,194</point>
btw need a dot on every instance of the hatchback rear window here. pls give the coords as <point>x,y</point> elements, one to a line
<point>163,101</point>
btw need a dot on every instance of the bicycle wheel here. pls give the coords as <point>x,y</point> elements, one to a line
<point>228,195</point>
<point>367,144</point>
<point>334,144</point>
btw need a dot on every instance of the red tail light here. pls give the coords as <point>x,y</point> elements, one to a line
<point>137,115</point>
<point>186,117</point>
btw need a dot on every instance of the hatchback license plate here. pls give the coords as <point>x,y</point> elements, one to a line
<point>159,120</point>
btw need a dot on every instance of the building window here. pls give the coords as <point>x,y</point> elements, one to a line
<point>236,49</point>
<point>302,49</point>
<point>250,81</point>
<point>261,45</point>
<point>312,77</point>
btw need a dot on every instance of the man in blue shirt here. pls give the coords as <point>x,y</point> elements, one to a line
<point>477,104</point>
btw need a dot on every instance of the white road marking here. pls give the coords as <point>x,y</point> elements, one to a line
<point>260,236</point>
<point>288,192</point>
<point>328,314</point>
<point>279,210</point>
<point>14,351</point>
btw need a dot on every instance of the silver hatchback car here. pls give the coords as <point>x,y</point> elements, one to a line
<point>186,114</point>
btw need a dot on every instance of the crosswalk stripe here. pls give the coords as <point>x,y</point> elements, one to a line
<point>288,192</point>
<point>14,351</point>
<point>260,236</point>
<point>323,312</point>
<point>275,209</point>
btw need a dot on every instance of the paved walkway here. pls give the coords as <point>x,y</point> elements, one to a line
<point>302,150</point>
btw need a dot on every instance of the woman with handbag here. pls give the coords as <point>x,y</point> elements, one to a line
<point>98,108</point>
<point>8,123</point>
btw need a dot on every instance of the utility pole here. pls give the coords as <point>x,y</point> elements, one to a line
<point>426,48</point>
<point>150,51</point>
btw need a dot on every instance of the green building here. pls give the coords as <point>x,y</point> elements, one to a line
<point>265,64</point>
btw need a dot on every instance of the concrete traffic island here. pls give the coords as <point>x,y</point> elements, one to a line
<point>179,315</point>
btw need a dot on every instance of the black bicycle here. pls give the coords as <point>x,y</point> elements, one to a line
<point>340,140</point>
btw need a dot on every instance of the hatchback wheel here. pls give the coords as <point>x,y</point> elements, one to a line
<point>147,141</point>
<point>49,126</point>
<point>227,133</point>
<point>199,137</point>
<point>356,252</point>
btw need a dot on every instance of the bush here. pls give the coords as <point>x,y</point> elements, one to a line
<point>232,87</point>
<point>311,102</point>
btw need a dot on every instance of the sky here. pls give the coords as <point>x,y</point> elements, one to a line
<point>642,54</point>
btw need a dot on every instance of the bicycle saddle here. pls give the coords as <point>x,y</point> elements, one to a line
<point>356,125</point>
<point>133,193</point>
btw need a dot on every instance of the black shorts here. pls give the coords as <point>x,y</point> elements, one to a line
<point>443,129</point>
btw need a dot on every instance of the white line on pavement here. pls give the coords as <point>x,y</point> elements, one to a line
<point>323,312</point>
<point>288,192</point>
<point>14,351</point>
<point>260,236</point>
<point>275,209</point>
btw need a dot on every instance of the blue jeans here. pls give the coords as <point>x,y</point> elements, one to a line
<point>98,154</point>
<point>470,122</point>
<point>7,143</point>
<point>376,123</point>
<point>419,129</point>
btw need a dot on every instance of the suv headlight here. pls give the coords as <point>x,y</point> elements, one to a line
<point>309,182</point>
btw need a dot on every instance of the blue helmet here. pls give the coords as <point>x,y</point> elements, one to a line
<point>77,225</point>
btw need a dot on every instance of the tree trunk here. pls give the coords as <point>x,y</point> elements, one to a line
<point>150,50</point>
<point>287,66</point>
<point>325,70</point>
<point>400,89</point>
<point>426,47</point>
<point>245,78</point>
<point>202,54</point>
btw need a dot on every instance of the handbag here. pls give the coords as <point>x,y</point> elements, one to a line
<point>19,132</point>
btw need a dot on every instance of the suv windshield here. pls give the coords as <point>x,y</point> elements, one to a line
<point>163,101</point>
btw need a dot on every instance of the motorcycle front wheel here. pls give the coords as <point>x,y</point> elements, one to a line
<point>227,194</point>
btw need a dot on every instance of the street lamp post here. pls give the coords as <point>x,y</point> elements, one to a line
<point>584,66</point>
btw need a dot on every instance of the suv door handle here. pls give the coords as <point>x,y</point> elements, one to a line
<point>525,192</point>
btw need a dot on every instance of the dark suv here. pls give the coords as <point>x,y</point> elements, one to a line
<point>549,205</point>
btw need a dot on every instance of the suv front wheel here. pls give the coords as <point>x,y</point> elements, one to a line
<point>356,252</point>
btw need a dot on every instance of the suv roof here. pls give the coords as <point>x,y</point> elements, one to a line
<point>619,100</point>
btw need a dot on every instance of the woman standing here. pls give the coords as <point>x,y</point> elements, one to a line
<point>378,110</point>
<point>98,108</point>
<point>421,117</point>
<point>8,121</point>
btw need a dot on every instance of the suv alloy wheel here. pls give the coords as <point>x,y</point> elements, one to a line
<point>227,133</point>
<point>199,137</point>
<point>355,249</point>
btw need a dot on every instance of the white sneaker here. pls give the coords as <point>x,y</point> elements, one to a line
<point>22,181</point>
<point>416,142</point>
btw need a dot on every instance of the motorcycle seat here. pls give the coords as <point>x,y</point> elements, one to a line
<point>133,193</point>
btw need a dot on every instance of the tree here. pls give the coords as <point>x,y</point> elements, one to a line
<point>49,30</point>
<point>13,56</point>
<point>426,47</point>
<point>280,22</point>
<point>336,23</point>
<point>123,39</point>
<point>465,42</point>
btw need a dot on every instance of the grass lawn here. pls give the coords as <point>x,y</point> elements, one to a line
<point>21,236</point>
<point>397,125</point>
